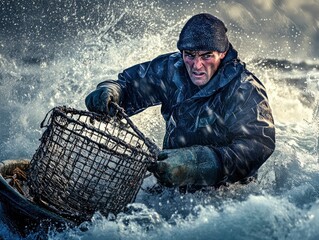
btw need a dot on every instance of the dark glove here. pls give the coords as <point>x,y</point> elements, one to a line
<point>197,165</point>
<point>99,100</point>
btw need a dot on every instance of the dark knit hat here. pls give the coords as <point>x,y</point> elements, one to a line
<point>203,32</point>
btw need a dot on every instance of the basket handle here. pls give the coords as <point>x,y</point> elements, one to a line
<point>46,119</point>
<point>152,146</point>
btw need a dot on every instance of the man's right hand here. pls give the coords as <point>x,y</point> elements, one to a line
<point>99,100</point>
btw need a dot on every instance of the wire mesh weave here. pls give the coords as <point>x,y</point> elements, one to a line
<point>87,162</point>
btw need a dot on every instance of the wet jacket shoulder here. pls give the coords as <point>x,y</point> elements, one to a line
<point>149,83</point>
<point>249,127</point>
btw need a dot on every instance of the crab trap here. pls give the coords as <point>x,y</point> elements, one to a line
<point>87,162</point>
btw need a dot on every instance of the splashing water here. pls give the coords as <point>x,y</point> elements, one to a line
<point>55,53</point>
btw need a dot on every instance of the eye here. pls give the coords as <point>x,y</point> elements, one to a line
<point>189,55</point>
<point>208,56</point>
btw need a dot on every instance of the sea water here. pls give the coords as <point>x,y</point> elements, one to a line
<point>54,53</point>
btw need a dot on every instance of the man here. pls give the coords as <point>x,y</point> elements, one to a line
<point>219,126</point>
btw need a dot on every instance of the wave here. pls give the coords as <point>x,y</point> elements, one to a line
<point>285,65</point>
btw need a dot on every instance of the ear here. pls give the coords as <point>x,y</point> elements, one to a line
<point>223,54</point>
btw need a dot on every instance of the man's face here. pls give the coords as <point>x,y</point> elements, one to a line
<point>202,65</point>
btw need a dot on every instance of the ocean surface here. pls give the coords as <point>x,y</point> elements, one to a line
<point>55,52</point>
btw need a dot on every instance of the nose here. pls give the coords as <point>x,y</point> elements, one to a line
<point>198,63</point>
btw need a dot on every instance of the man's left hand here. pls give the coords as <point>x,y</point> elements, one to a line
<point>195,165</point>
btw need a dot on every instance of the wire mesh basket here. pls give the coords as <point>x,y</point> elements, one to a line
<point>87,162</point>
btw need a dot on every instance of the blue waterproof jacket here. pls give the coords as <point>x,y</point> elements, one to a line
<point>230,114</point>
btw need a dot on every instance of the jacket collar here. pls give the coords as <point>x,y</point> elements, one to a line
<point>228,69</point>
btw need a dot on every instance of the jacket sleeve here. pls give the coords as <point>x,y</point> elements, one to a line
<point>144,85</point>
<point>250,129</point>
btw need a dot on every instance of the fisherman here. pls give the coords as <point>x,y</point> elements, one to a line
<point>219,125</point>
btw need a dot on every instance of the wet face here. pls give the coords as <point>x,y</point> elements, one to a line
<point>202,65</point>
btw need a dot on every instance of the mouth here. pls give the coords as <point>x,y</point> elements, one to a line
<point>198,74</point>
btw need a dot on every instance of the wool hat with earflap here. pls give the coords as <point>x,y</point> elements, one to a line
<point>203,32</point>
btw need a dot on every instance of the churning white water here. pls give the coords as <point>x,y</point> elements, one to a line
<point>55,53</point>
